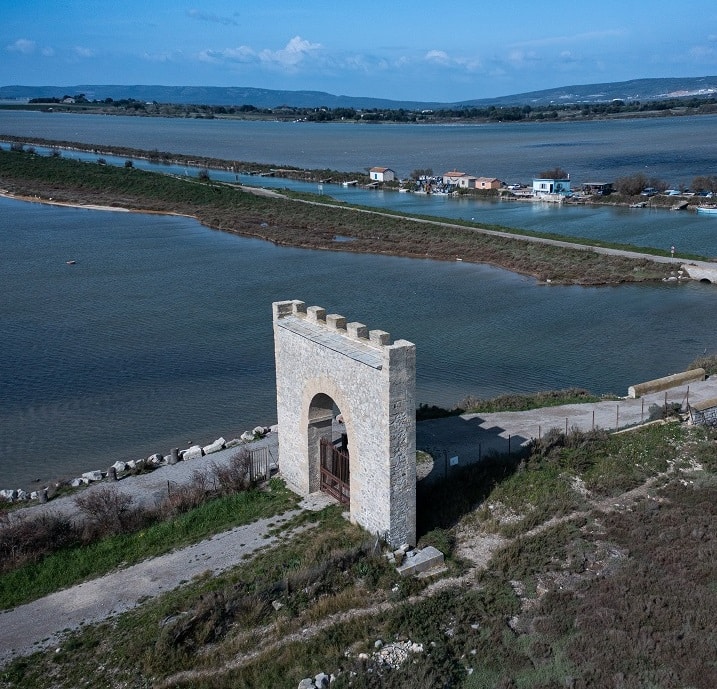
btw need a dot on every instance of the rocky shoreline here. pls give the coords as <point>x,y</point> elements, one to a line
<point>119,470</point>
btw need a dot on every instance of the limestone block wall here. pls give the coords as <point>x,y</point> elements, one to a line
<point>659,384</point>
<point>372,381</point>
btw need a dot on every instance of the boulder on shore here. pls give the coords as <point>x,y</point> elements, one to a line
<point>95,475</point>
<point>217,445</point>
<point>193,452</point>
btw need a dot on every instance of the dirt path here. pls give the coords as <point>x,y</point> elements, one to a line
<point>44,622</point>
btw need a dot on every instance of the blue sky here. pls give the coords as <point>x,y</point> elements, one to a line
<point>426,51</point>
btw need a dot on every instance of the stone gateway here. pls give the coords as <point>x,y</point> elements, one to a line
<point>346,409</point>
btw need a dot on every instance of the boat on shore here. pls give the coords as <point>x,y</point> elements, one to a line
<point>707,210</point>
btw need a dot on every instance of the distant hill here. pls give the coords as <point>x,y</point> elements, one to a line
<point>636,89</point>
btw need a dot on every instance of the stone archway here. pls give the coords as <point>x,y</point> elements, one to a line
<point>327,447</point>
<point>322,363</point>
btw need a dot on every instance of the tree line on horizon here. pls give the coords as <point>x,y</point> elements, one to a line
<point>492,113</point>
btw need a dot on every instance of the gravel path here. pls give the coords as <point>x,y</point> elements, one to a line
<point>460,440</point>
<point>43,623</point>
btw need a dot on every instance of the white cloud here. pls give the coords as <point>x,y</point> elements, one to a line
<point>296,51</point>
<point>159,57</point>
<point>520,58</point>
<point>48,52</point>
<point>439,56</point>
<point>289,58</point>
<point>587,37</point>
<point>22,45</point>
<point>703,53</point>
<point>243,54</point>
<point>209,17</point>
<point>81,51</point>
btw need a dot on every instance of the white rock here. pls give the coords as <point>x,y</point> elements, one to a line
<point>119,467</point>
<point>155,460</point>
<point>259,430</point>
<point>218,444</point>
<point>95,475</point>
<point>233,443</point>
<point>321,680</point>
<point>8,494</point>
<point>247,436</point>
<point>274,428</point>
<point>194,452</point>
<point>21,494</point>
<point>307,683</point>
<point>77,482</point>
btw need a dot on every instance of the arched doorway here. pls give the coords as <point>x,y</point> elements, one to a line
<point>326,366</point>
<point>329,446</point>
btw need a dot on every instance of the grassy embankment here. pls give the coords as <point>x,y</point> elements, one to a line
<point>557,577</point>
<point>312,225</point>
<point>52,552</point>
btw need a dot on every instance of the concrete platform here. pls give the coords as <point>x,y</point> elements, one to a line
<point>417,561</point>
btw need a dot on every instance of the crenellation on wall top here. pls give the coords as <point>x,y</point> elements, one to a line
<point>333,322</point>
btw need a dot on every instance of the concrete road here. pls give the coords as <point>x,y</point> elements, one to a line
<point>470,437</point>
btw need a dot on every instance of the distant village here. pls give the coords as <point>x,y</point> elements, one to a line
<point>554,186</point>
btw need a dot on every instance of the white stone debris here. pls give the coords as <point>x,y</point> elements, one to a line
<point>218,444</point>
<point>95,475</point>
<point>193,452</point>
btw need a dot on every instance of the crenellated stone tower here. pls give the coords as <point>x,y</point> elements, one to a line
<point>323,364</point>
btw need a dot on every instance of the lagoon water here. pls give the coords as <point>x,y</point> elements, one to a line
<point>161,332</point>
<point>675,149</point>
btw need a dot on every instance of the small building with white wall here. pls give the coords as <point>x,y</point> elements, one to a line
<point>453,177</point>
<point>382,174</point>
<point>547,186</point>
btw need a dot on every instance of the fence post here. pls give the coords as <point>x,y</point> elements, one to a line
<point>566,425</point>
<point>617,416</point>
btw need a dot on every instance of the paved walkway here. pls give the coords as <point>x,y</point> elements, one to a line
<point>470,437</point>
<point>43,623</point>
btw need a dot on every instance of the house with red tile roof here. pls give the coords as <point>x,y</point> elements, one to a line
<point>382,174</point>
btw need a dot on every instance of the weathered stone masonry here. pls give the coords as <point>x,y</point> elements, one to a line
<point>320,360</point>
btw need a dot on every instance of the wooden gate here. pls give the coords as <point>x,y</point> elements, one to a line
<point>335,471</point>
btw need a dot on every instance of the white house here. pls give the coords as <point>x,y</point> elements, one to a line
<point>382,174</point>
<point>453,177</point>
<point>544,186</point>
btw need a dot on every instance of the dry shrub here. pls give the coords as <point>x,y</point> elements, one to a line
<point>107,511</point>
<point>236,476</point>
<point>185,497</point>
<point>29,540</point>
<point>651,621</point>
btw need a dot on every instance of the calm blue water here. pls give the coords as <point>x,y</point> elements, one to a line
<point>673,149</point>
<point>161,332</point>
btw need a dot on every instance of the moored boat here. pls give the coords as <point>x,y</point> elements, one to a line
<point>707,210</point>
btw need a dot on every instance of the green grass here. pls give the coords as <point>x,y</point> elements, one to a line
<point>71,566</point>
<point>626,592</point>
<point>312,225</point>
<point>538,400</point>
